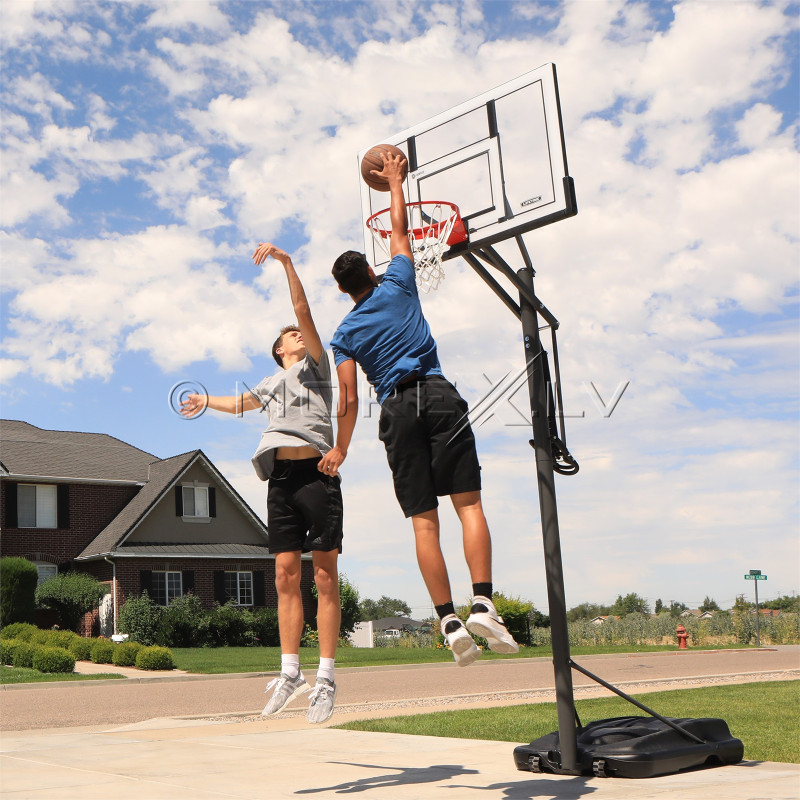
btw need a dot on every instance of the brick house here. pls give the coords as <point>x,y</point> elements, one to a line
<point>92,503</point>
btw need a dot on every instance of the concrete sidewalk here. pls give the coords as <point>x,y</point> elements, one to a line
<point>165,738</point>
<point>257,761</point>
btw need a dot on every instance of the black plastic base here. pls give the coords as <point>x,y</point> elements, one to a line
<point>635,747</point>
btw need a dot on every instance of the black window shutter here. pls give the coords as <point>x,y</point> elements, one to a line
<point>11,504</point>
<point>212,501</point>
<point>179,501</point>
<point>259,596</point>
<point>63,506</point>
<point>187,579</point>
<point>146,581</point>
<point>219,587</point>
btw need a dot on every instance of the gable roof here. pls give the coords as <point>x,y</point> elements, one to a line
<point>28,452</point>
<point>163,477</point>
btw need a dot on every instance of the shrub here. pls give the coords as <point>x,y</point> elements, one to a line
<point>183,623</point>
<point>6,649</point>
<point>230,626</point>
<point>125,654</point>
<point>265,627</point>
<point>514,612</point>
<point>40,636</point>
<point>53,659</point>
<point>18,578</point>
<point>140,617</point>
<point>22,654</point>
<point>81,648</point>
<point>72,594</point>
<point>61,639</point>
<point>18,630</point>
<point>154,658</point>
<point>102,651</point>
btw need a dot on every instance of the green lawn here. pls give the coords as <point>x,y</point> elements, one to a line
<point>22,675</point>
<point>765,716</point>
<point>217,660</point>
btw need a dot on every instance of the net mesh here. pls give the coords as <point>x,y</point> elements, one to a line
<point>430,225</point>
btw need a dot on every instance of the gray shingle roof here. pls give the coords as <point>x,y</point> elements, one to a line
<point>207,550</point>
<point>31,451</point>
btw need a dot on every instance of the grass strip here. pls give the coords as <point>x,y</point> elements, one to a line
<point>765,716</point>
<point>22,675</point>
<point>219,660</point>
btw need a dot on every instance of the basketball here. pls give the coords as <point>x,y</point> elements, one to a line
<point>372,160</point>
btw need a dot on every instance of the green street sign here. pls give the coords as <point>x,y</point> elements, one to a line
<point>758,577</point>
<point>755,571</point>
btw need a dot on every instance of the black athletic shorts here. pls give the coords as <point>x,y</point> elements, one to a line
<point>304,508</point>
<point>429,443</point>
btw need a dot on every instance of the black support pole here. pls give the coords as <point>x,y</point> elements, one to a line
<point>537,387</point>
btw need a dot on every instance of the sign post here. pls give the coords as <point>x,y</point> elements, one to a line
<point>755,575</point>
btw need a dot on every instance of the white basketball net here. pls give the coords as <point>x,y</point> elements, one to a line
<point>430,225</point>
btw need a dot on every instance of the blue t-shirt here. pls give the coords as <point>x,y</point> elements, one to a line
<point>386,332</point>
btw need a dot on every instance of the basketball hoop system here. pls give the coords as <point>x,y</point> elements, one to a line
<point>434,225</point>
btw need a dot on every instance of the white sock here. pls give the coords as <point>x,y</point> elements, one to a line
<point>290,664</point>
<point>325,669</point>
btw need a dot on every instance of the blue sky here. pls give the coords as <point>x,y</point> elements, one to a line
<point>147,147</point>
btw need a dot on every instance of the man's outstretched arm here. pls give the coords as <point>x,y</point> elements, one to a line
<point>302,310</point>
<point>393,173</point>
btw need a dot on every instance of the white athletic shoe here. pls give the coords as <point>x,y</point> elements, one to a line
<point>465,651</point>
<point>286,689</point>
<point>322,699</point>
<point>484,621</point>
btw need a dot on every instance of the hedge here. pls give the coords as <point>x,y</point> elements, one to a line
<point>18,579</point>
<point>23,631</point>
<point>102,651</point>
<point>125,654</point>
<point>53,659</point>
<point>154,658</point>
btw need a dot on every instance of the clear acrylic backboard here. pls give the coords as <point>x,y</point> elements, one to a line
<point>499,157</point>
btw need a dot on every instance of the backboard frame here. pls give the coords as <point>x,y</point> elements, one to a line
<point>461,152</point>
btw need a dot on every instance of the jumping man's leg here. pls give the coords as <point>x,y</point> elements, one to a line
<point>429,556</point>
<point>434,573</point>
<point>477,541</point>
<point>329,615</point>
<point>329,609</point>
<point>290,683</point>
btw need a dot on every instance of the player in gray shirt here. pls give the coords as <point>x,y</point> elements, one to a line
<point>304,504</point>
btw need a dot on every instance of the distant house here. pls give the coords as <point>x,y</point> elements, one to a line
<point>602,618</point>
<point>697,613</point>
<point>90,502</point>
<point>404,624</point>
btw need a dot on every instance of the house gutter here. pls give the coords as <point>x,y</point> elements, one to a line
<point>114,590</point>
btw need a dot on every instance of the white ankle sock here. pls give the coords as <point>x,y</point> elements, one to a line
<point>325,668</point>
<point>290,664</point>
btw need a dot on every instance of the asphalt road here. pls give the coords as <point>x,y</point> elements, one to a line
<point>62,705</point>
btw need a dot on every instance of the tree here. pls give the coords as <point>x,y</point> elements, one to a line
<point>630,604</point>
<point>742,606</point>
<point>709,605</point>
<point>72,594</point>
<point>659,607</point>
<point>786,602</point>
<point>18,578</point>
<point>385,607</point>
<point>587,611</point>
<point>676,608</point>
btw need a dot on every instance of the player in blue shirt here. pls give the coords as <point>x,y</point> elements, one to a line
<point>423,424</point>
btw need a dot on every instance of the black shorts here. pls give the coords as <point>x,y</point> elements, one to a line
<point>304,508</point>
<point>429,443</point>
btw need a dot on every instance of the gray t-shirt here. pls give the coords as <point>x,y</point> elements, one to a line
<point>298,401</point>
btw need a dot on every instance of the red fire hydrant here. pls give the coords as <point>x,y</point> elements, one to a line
<point>683,637</point>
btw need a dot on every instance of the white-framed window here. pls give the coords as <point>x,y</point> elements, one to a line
<point>239,587</point>
<point>195,501</point>
<point>37,505</point>
<point>165,587</point>
<point>46,571</point>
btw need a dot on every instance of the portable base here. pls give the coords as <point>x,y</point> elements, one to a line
<point>635,747</point>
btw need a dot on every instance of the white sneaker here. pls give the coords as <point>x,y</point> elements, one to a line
<point>322,699</point>
<point>465,651</point>
<point>286,689</point>
<point>484,621</point>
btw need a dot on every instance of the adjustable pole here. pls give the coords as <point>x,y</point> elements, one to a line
<point>537,387</point>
